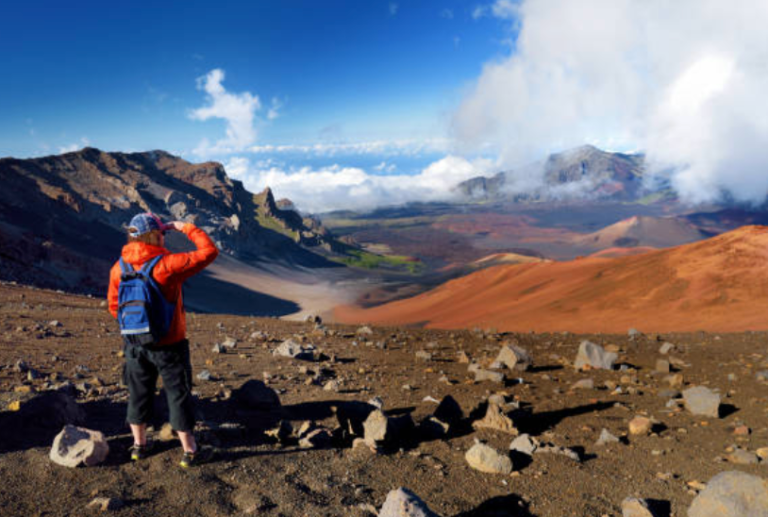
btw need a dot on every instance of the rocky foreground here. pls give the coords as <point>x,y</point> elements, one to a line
<point>320,419</point>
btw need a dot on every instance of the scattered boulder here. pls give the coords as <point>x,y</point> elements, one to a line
<point>365,330</point>
<point>292,349</point>
<point>732,494</point>
<point>606,437</point>
<point>700,400</point>
<point>583,384</point>
<point>594,356</point>
<point>105,504</point>
<point>666,348</point>
<point>404,503</point>
<point>424,355</point>
<point>204,375</point>
<point>75,446</point>
<point>382,431</point>
<point>742,457</point>
<point>496,419</point>
<point>633,507</point>
<point>481,374</point>
<point>640,425</point>
<point>524,444</point>
<point>514,357</point>
<point>254,394</point>
<point>662,366</point>
<point>229,342</point>
<point>487,459</point>
<point>218,349</point>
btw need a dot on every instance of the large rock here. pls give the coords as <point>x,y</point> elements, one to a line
<point>404,503</point>
<point>496,419</point>
<point>292,349</point>
<point>732,494</point>
<point>257,395</point>
<point>382,431</point>
<point>487,459</point>
<point>594,356</point>
<point>75,446</point>
<point>449,411</point>
<point>524,444</point>
<point>700,400</point>
<point>514,357</point>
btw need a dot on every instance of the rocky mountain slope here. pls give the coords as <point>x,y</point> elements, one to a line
<point>719,284</point>
<point>582,173</point>
<point>62,217</point>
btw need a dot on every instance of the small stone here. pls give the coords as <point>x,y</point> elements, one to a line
<point>524,444</point>
<point>332,385</point>
<point>675,381</point>
<point>606,437</point>
<point>404,503</point>
<point>166,433</point>
<point>632,507</point>
<point>218,349</point>
<point>514,357</point>
<point>422,354</point>
<point>204,375</point>
<point>594,356</point>
<point>662,366</point>
<point>640,425</point>
<point>292,349</point>
<point>742,457</point>
<point>105,504</point>
<point>75,446</point>
<point>583,384</point>
<point>364,331</point>
<point>481,374</point>
<point>666,348</point>
<point>496,420</point>
<point>702,401</point>
<point>742,430</point>
<point>229,342</point>
<point>487,459</point>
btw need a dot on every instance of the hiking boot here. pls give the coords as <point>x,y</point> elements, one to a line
<point>193,459</point>
<point>140,452</point>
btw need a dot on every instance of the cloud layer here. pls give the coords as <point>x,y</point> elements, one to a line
<point>351,188</point>
<point>685,81</point>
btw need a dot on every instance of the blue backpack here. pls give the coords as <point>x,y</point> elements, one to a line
<point>144,314</point>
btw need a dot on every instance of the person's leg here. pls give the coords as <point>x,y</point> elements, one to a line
<point>141,379</point>
<point>176,370</point>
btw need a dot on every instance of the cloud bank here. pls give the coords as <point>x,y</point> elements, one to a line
<point>685,81</point>
<point>351,188</point>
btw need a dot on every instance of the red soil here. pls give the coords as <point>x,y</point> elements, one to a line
<point>719,284</point>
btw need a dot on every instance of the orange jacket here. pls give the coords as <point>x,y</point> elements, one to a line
<point>169,273</point>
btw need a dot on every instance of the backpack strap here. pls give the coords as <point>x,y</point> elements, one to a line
<point>125,266</point>
<point>148,266</point>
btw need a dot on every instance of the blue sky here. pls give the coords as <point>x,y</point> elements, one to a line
<point>363,103</point>
<point>122,75</point>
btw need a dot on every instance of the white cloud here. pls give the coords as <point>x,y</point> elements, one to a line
<point>274,110</point>
<point>71,148</point>
<point>238,109</point>
<point>684,80</point>
<point>393,8</point>
<point>385,167</point>
<point>479,11</point>
<point>405,147</point>
<point>338,187</point>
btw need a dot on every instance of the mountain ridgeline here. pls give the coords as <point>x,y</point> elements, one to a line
<point>62,217</point>
<point>584,172</point>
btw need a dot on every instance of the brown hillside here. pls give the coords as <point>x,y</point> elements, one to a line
<point>720,284</point>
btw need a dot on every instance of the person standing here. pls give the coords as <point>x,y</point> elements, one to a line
<point>168,355</point>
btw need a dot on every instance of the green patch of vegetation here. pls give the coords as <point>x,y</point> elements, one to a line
<point>272,224</point>
<point>366,260</point>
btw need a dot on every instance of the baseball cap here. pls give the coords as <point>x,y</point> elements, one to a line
<point>145,223</point>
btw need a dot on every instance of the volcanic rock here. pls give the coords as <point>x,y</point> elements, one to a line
<point>514,357</point>
<point>496,419</point>
<point>606,437</point>
<point>700,400</point>
<point>487,459</point>
<point>292,349</point>
<point>640,425</point>
<point>404,503</point>
<point>382,431</point>
<point>633,507</point>
<point>254,394</point>
<point>524,444</point>
<point>74,446</point>
<point>732,494</point>
<point>105,504</point>
<point>594,356</point>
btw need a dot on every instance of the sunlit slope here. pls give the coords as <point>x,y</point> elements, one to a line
<point>719,284</point>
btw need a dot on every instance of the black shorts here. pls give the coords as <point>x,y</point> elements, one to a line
<point>143,365</point>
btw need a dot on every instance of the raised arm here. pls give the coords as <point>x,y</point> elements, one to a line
<point>181,266</point>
